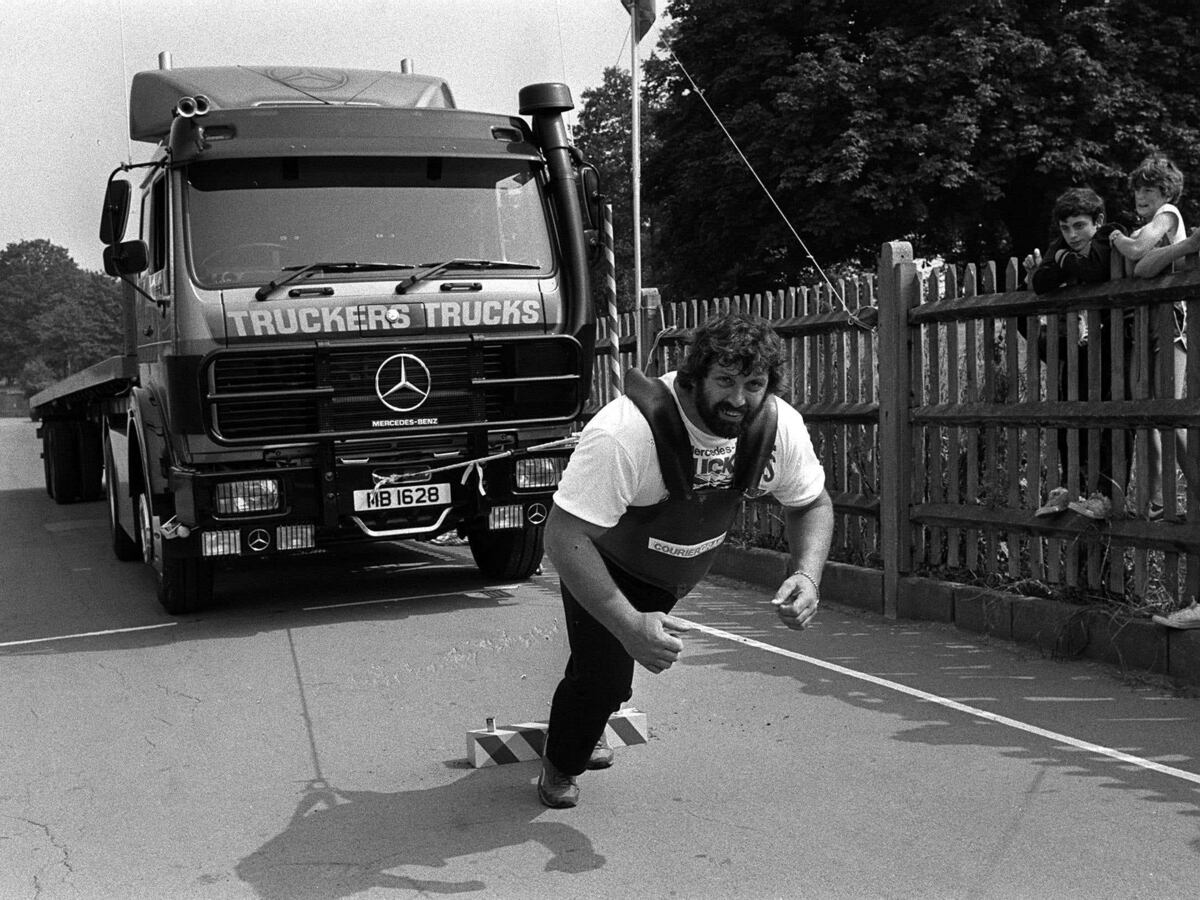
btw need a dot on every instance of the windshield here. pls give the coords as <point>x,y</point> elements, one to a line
<point>248,219</point>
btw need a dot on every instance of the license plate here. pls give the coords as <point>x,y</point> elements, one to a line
<point>402,497</point>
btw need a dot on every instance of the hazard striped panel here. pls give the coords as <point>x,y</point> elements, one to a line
<point>527,740</point>
<point>625,728</point>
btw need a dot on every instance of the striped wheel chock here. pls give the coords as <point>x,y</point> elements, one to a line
<point>497,746</point>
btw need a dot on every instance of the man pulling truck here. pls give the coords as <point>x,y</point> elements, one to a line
<point>644,506</point>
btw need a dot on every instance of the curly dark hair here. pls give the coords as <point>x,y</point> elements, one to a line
<point>1078,201</point>
<point>737,340</point>
<point>1157,171</point>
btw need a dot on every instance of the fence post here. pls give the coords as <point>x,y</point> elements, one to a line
<point>650,327</point>
<point>897,295</point>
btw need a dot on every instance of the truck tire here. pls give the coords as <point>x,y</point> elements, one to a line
<point>185,584</point>
<point>72,460</point>
<point>507,554</point>
<point>125,547</point>
<point>47,474</point>
<point>91,461</point>
<point>60,455</point>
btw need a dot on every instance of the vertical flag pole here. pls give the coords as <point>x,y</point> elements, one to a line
<point>636,142</point>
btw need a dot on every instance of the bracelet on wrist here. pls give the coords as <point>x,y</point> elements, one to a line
<point>811,580</point>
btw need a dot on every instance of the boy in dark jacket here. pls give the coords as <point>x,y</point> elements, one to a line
<point>1081,252</point>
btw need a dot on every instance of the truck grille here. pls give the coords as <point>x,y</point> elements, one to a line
<point>355,390</point>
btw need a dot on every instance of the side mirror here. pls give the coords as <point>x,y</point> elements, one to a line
<point>589,197</point>
<point>115,213</point>
<point>126,258</point>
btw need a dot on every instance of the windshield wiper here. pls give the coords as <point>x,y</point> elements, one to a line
<point>296,271</point>
<point>435,268</point>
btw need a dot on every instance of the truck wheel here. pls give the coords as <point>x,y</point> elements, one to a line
<point>125,548</point>
<point>185,585</point>
<point>507,554</point>
<point>47,476</point>
<point>60,453</point>
<point>91,461</point>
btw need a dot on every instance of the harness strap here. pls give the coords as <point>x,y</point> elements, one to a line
<point>671,442</point>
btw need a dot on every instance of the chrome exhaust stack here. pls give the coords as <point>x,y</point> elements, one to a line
<point>187,107</point>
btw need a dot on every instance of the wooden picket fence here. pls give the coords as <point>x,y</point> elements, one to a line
<point>946,404</point>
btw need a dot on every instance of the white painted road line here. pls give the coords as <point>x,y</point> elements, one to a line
<point>86,634</point>
<point>403,599</point>
<point>958,707</point>
<point>491,593</point>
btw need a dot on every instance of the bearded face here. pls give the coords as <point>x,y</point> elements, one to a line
<point>728,400</point>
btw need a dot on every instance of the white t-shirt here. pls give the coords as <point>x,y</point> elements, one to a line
<point>615,465</point>
<point>1176,234</point>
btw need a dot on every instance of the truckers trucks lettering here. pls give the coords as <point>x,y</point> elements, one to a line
<point>396,317</point>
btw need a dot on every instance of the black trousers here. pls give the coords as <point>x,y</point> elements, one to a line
<point>598,677</point>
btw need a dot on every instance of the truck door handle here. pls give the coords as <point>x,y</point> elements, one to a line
<point>311,292</point>
<point>461,286</point>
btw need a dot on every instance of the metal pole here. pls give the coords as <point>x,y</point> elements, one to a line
<point>614,320</point>
<point>636,143</point>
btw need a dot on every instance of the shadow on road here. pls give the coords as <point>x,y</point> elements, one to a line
<point>341,843</point>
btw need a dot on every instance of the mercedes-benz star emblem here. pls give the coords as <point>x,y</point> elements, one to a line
<point>258,540</point>
<point>536,514</point>
<point>403,382</point>
<point>309,80</point>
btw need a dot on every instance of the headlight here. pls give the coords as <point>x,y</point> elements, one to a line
<point>539,472</point>
<point>502,517</point>
<point>251,496</point>
<point>221,543</point>
<point>295,537</point>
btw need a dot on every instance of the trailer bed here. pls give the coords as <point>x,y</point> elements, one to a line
<point>109,378</point>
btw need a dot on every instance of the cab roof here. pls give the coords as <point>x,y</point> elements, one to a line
<point>154,94</point>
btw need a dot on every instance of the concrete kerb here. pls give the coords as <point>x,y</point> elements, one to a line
<point>1062,629</point>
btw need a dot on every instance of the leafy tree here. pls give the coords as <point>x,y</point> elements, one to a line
<point>36,375</point>
<point>81,328</point>
<point>30,273</point>
<point>951,124</point>
<point>55,318</point>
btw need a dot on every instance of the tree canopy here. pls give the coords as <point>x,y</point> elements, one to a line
<point>950,124</point>
<point>55,318</point>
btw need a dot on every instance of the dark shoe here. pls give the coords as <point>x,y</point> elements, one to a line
<point>1096,506</point>
<point>602,755</point>
<point>556,790</point>
<point>1056,502</point>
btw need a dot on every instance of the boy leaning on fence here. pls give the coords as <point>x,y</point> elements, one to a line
<point>1080,253</point>
<point>1157,184</point>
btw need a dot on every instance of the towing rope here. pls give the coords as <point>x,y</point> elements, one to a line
<point>470,465</point>
<point>866,323</point>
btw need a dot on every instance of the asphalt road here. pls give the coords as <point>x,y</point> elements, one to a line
<point>305,739</point>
